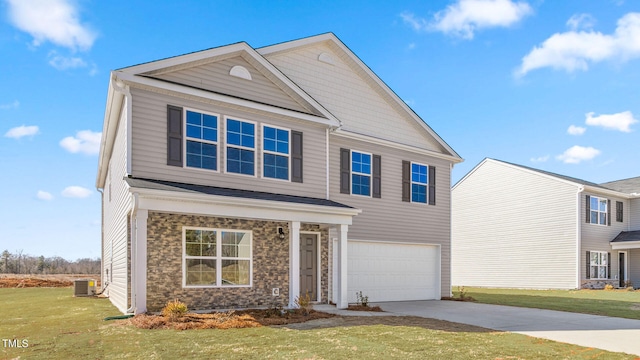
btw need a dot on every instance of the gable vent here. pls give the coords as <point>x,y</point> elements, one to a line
<point>326,58</point>
<point>241,72</point>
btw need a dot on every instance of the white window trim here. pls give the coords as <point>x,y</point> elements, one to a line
<point>418,183</point>
<point>186,138</point>
<point>351,173</point>
<point>263,151</point>
<point>606,266</point>
<point>218,258</point>
<point>254,149</point>
<point>600,213</point>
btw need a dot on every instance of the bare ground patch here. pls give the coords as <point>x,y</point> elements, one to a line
<point>53,280</point>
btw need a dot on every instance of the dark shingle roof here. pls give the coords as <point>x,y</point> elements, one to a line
<point>628,186</point>
<point>212,190</point>
<point>627,236</point>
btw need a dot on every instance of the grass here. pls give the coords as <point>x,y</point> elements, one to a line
<point>616,303</point>
<point>59,326</point>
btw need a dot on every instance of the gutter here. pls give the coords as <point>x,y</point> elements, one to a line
<point>578,236</point>
<point>134,250</point>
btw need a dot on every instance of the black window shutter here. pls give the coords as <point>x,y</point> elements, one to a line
<point>432,185</point>
<point>619,211</point>
<point>608,212</point>
<point>406,181</point>
<point>296,156</point>
<point>174,135</point>
<point>377,176</point>
<point>345,171</point>
<point>608,265</point>
<point>588,263</point>
<point>588,207</point>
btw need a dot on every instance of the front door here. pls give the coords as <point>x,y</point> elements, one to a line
<point>622,268</point>
<point>309,265</point>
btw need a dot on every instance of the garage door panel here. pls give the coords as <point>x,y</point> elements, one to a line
<point>392,271</point>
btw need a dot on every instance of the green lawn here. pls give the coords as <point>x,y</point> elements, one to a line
<point>59,326</point>
<point>617,303</point>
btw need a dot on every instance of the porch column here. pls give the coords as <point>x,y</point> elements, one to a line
<point>294,262</point>
<point>342,295</point>
<point>141,261</point>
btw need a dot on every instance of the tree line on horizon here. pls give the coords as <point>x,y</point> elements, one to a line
<point>19,263</point>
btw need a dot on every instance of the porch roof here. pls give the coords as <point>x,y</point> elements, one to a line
<point>626,240</point>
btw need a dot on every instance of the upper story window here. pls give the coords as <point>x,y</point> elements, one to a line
<point>598,210</point>
<point>360,173</point>
<point>275,152</point>
<point>241,146</point>
<point>201,140</point>
<point>419,183</point>
<point>619,211</point>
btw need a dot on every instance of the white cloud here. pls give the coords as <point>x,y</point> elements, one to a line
<point>577,154</point>
<point>56,21</point>
<point>22,131</point>
<point>620,121</point>
<point>576,130</point>
<point>85,141</point>
<point>43,195</point>
<point>76,192</point>
<point>13,105</point>
<point>464,17</point>
<point>581,21</point>
<point>65,62</point>
<point>575,50</point>
<point>540,159</point>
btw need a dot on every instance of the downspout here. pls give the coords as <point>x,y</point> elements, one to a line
<point>578,236</point>
<point>134,252</point>
<point>327,160</point>
<point>102,277</point>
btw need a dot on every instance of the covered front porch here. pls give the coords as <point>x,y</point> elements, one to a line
<point>627,246</point>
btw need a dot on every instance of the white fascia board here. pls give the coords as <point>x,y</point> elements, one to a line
<point>176,90</point>
<point>625,245</point>
<point>214,205</point>
<point>109,128</point>
<point>599,190</point>
<point>366,138</point>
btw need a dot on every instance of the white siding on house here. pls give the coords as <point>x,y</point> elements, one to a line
<point>513,228</point>
<point>116,206</point>
<point>634,218</point>
<point>343,91</point>
<point>149,151</point>
<point>389,218</point>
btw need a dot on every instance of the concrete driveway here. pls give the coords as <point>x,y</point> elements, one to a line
<point>607,333</point>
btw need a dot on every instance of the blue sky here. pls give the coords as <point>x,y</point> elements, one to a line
<point>547,84</point>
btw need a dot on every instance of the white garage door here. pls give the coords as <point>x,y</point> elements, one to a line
<point>392,271</point>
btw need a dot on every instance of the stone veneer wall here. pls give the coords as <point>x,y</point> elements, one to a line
<point>598,284</point>
<point>270,263</point>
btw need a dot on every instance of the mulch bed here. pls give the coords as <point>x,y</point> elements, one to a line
<point>365,308</point>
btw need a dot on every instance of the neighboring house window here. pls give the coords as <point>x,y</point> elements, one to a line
<point>360,173</point>
<point>275,145</point>
<point>202,140</point>
<point>216,257</point>
<point>598,210</point>
<point>419,183</point>
<point>619,211</point>
<point>598,265</point>
<point>241,144</point>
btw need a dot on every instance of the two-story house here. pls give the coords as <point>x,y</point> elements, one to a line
<point>518,227</point>
<point>242,177</point>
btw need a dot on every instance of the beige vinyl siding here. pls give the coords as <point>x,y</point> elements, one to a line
<point>215,77</point>
<point>597,237</point>
<point>149,151</point>
<point>116,205</point>
<point>634,214</point>
<point>343,91</point>
<point>389,218</point>
<point>633,268</point>
<point>513,228</point>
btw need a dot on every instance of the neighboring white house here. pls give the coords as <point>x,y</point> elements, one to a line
<point>518,227</point>
<point>242,177</point>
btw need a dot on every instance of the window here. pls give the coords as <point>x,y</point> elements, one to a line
<point>598,210</point>
<point>360,173</point>
<point>216,257</point>
<point>619,211</point>
<point>275,147</point>
<point>241,144</point>
<point>419,183</point>
<point>598,268</point>
<point>202,140</point>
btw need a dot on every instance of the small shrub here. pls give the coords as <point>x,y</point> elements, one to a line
<point>608,287</point>
<point>303,303</point>
<point>174,310</point>
<point>362,300</point>
<point>275,310</point>
<point>628,284</point>
<point>462,293</point>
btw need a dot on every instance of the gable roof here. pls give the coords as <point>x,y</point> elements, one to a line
<point>629,186</point>
<point>627,236</point>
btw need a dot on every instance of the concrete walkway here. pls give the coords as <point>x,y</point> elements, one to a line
<point>607,333</point>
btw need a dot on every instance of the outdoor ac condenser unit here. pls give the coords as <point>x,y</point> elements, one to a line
<point>84,287</point>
